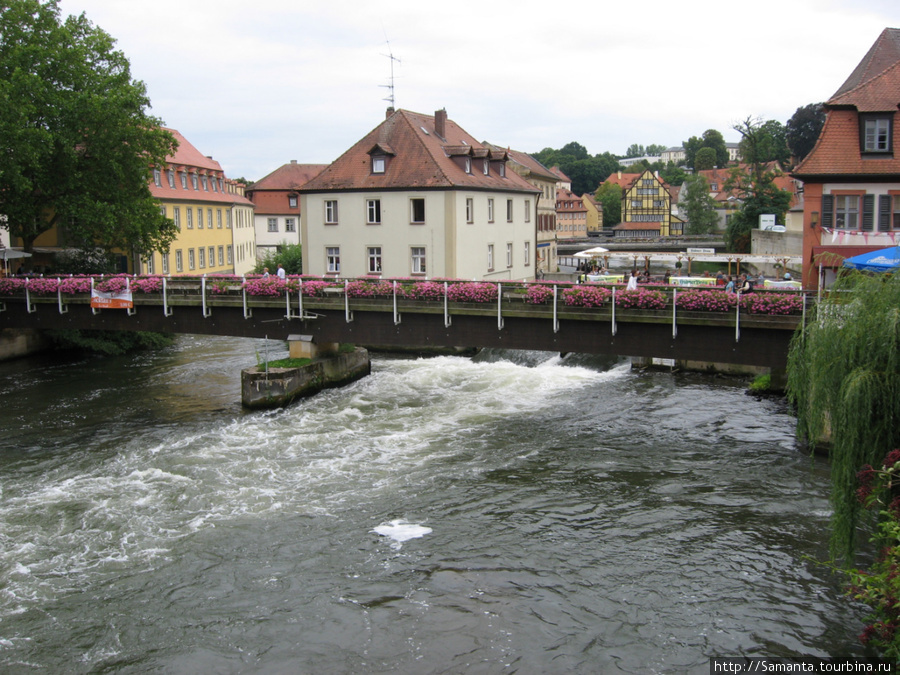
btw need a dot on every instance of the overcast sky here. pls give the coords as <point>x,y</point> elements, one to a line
<point>258,84</point>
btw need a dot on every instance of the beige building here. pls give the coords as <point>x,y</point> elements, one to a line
<point>419,197</point>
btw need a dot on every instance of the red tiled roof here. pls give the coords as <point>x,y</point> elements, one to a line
<point>556,171</point>
<point>288,176</point>
<point>837,151</point>
<point>881,56</point>
<point>874,86</point>
<point>623,180</point>
<point>530,163</point>
<point>187,155</point>
<point>421,160</point>
<point>188,158</point>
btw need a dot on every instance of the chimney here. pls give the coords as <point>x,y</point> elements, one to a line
<point>620,174</point>
<point>389,112</point>
<point>293,161</point>
<point>440,122</point>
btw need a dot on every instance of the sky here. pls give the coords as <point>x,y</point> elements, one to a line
<point>258,84</point>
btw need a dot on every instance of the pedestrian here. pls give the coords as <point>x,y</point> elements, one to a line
<point>746,284</point>
<point>281,273</point>
<point>632,281</point>
<point>265,272</point>
<point>729,284</point>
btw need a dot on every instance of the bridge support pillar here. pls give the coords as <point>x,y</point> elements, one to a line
<point>303,347</point>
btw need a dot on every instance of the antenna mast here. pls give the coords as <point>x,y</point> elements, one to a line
<point>390,87</point>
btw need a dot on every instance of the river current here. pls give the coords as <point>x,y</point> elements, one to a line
<point>507,513</point>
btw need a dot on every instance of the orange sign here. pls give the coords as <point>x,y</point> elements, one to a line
<point>102,300</point>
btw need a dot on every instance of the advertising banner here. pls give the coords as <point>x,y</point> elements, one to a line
<point>120,300</point>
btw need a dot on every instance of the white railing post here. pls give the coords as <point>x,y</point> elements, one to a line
<point>446,307</point>
<point>396,313</point>
<point>62,308</point>
<point>555,315</point>
<point>674,311</point>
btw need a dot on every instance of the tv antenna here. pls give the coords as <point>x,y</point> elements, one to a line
<point>390,87</point>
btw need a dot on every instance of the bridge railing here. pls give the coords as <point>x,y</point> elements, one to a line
<point>301,296</point>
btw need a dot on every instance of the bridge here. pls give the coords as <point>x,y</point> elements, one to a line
<point>189,305</point>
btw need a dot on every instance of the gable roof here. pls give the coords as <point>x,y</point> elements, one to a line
<point>288,176</point>
<point>534,167</point>
<point>881,56</point>
<point>419,158</point>
<point>874,86</point>
<point>189,156</point>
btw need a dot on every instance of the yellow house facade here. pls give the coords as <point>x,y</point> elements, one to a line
<point>194,193</point>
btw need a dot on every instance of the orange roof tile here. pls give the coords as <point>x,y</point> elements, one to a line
<point>421,160</point>
<point>288,176</point>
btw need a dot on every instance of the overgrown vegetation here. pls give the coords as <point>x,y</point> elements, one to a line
<point>289,256</point>
<point>844,379</point>
<point>109,343</point>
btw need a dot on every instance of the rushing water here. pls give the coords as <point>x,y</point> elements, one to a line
<point>511,513</point>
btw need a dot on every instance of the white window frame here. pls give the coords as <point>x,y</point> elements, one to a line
<point>509,210</point>
<point>219,218</point>
<point>331,212</point>
<point>211,256</point>
<point>165,262</point>
<point>470,210</point>
<point>230,253</point>
<point>490,204</point>
<point>527,210</point>
<point>201,257</point>
<point>290,224</point>
<point>179,260</point>
<point>292,201</point>
<point>373,212</point>
<point>509,254</point>
<point>333,259</point>
<point>527,253</point>
<point>272,224</point>
<point>378,164</point>
<point>221,255</point>
<point>191,259</point>
<point>199,217</point>
<point>190,218</point>
<point>490,257</point>
<point>417,260</point>
<point>374,263</point>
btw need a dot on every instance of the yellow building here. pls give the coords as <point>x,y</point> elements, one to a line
<point>194,193</point>
<point>646,206</point>
<point>594,214</point>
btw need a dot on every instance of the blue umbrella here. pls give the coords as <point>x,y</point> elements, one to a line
<point>882,260</point>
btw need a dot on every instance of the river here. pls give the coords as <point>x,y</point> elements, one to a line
<point>508,513</point>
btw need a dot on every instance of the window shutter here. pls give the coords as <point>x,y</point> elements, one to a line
<point>827,210</point>
<point>884,213</point>
<point>868,217</point>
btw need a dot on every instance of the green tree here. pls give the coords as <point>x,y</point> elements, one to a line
<point>289,256</point>
<point>705,159</point>
<point>767,144</point>
<point>844,381</point>
<point>634,150</point>
<point>802,130</point>
<point>699,206</point>
<point>655,149</point>
<point>710,139</point>
<point>673,174</point>
<point>77,141</point>
<point>755,187</point>
<point>610,197</point>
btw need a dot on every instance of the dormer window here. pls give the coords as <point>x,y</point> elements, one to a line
<point>378,165</point>
<point>487,167</point>
<point>875,133</point>
<point>156,178</point>
<point>468,165</point>
<point>502,170</point>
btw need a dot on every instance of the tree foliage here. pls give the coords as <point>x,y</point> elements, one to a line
<point>802,130</point>
<point>610,197</point>
<point>705,159</point>
<point>77,141</point>
<point>638,150</point>
<point>585,171</point>
<point>754,185</point>
<point>699,206</point>
<point>767,143</point>
<point>844,379</point>
<point>710,139</point>
<point>289,256</point>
